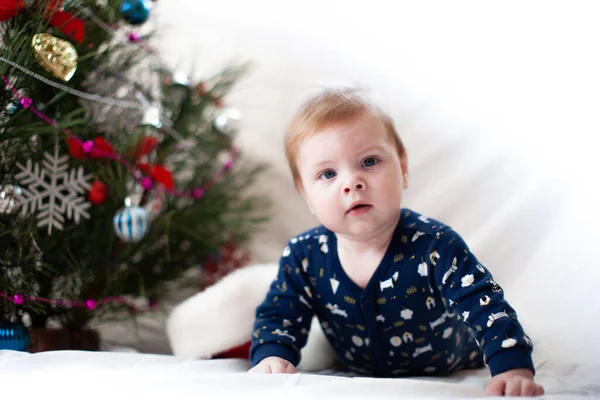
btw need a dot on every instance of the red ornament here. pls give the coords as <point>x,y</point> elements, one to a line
<point>98,192</point>
<point>66,22</point>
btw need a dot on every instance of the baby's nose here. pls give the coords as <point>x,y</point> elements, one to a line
<point>355,186</point>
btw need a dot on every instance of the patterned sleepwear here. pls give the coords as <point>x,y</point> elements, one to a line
<point>429,308</point>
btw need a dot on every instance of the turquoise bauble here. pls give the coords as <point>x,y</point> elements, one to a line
<point>136,12</point>
<point>131,224</point>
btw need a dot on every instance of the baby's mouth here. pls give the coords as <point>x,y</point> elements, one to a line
<point>359,209</point>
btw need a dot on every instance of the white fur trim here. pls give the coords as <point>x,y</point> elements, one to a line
<point>222,316</point>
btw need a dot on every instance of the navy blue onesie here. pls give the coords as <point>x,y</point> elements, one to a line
<point>429,308</point>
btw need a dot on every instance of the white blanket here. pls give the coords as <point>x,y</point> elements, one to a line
<point>103,375</point>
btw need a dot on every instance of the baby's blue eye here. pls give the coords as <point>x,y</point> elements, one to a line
<point>369,161</point>
<point>327,174</point>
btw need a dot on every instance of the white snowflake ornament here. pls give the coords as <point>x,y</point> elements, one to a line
<point>53,191</point>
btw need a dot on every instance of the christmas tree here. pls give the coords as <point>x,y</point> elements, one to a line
<point>117,174</point>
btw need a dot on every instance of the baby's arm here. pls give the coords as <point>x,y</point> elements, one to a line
<point>469,288</point>
<point>283,319</point>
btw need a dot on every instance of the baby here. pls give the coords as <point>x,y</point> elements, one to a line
<point>396,293</point>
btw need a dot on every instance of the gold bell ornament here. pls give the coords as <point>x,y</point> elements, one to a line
<point>57,56</point>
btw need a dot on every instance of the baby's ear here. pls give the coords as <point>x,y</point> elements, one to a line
<point>298,185</point>
<point>404,166</point>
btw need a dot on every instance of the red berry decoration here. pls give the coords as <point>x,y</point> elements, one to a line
<point>98,192</point>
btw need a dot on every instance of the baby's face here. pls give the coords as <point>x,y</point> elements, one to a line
<point>352,177</point>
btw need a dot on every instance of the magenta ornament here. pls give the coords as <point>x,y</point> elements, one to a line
<point>90,304</point>
<point>26,102</point>
<point>147,183</point>
<point>18,299</point>
<point>87,146</point>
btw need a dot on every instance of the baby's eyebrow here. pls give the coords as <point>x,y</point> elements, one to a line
<point>371,148</point>
<point>321,163</point>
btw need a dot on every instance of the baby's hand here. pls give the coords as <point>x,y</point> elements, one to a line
<point>274,365</point>
<point>514,382</point>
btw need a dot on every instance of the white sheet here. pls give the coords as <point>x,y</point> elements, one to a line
<point>103,375</point>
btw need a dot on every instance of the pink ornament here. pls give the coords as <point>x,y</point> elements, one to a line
<point>26,102</point>
<point>198,193</point>
<point>228,165</point>
<point>87,146</point>
<point>18,299</point>
<point>90,304</point>
<point>147,183</point>
<point>134,37</point>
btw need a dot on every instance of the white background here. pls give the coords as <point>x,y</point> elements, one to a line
<point>497,102</point>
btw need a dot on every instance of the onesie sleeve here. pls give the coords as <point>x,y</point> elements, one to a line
<point>283,319</point>
<point>468,288</point>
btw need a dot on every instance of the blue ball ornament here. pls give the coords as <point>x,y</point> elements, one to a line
<point>14,336</point>
<point>131,224</point>
<point>13,107</point>
<point>136,12</point>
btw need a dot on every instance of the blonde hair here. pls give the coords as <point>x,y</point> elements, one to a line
<point>327,107</point>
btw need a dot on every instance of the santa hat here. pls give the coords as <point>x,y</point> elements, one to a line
<point>218,322</point>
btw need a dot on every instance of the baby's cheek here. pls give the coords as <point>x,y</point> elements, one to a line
<point>332,206</point>
<point>328,212</point>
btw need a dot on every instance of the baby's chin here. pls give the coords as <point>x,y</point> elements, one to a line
<point>362,230</point>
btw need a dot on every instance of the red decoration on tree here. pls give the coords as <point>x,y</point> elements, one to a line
<point>98,192</point>
<point>76,149</point>
<point>160,174</point>
<point>144,146</point>
<point>144,167</point>
<point>99,148</point>
<point>66,22</point>
<point>102,149</point>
